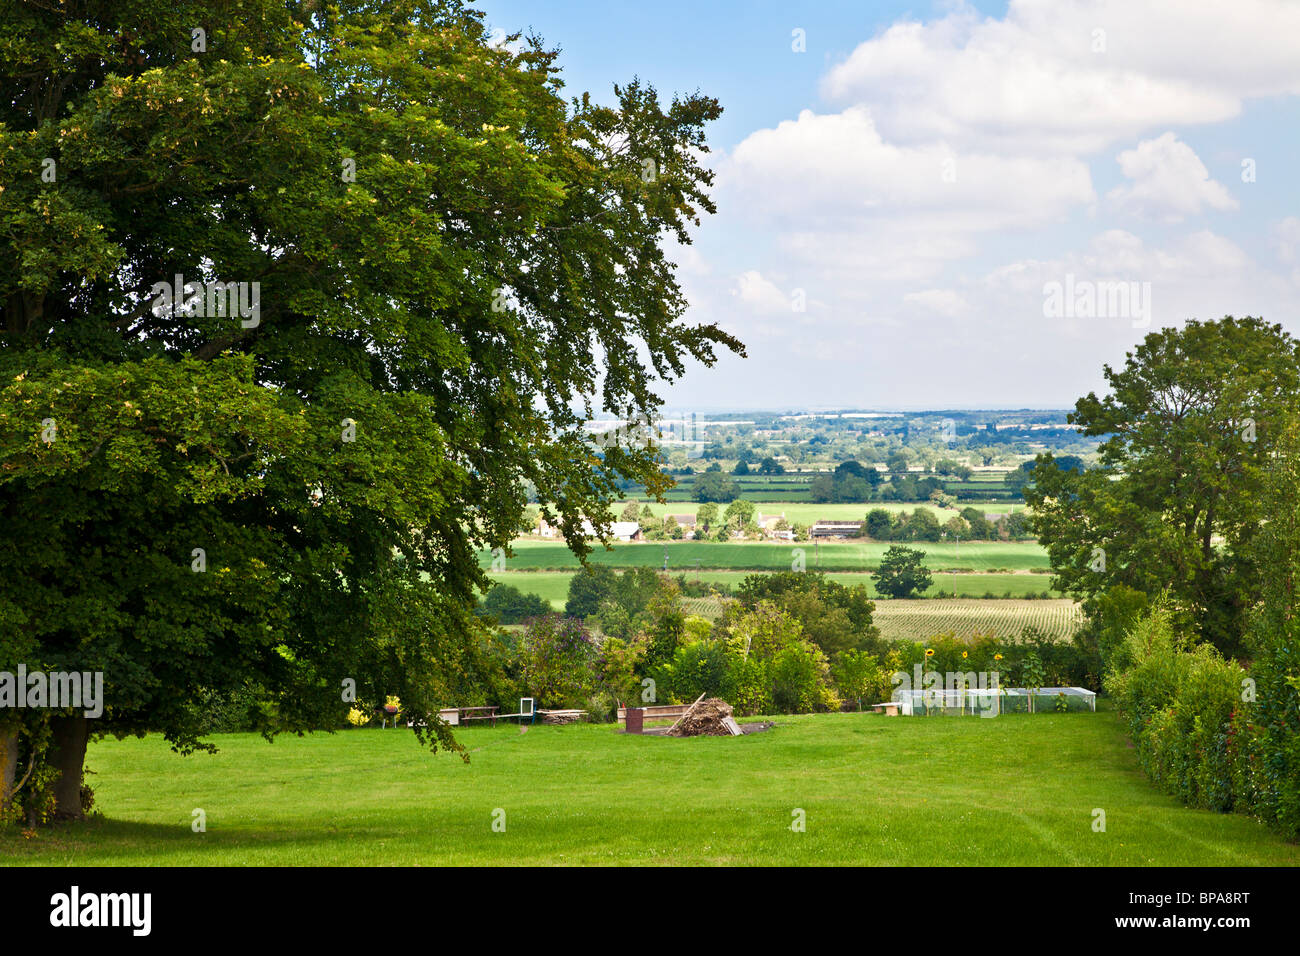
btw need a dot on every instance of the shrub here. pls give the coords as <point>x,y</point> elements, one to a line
<point>695,669</point>
<point>509,605</point>
<point>859,677</point>
<point>798,677</point>
<point>748,689</point>
<point>1182,705</point>
<point>556,660</point>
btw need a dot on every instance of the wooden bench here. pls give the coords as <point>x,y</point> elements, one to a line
<point>889,708</point>
<point>471,713</point>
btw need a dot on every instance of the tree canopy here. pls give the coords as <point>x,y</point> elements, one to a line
<point>835,617</point>
<point>445,267</point>
<point>1189,426</point>
<point>901,572</point>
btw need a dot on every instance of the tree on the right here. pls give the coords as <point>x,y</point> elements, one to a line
<point>1188,429</point>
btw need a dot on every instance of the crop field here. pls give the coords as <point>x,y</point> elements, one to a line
<point>553,586</point>
<point>707,607</point>
<point>851,555</point>
<point>806,512</point>
<point>916,620</point>
<point>798,487</point>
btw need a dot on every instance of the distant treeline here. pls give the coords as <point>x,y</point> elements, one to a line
<point>970,524</point>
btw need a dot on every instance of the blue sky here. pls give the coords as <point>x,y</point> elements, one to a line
<point>896,201</point>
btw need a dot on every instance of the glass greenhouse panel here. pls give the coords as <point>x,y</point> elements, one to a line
<point>993,701</point>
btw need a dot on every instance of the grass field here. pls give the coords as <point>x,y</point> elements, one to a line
<point>875,790</point>
<point>918,619</point>
<point>773,556</point>
<point>553,586</point>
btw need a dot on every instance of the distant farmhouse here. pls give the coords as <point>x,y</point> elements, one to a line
<point>618,530</point>
<point>768,524</point>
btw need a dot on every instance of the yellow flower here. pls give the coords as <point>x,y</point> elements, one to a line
<point>997,657</point>
<point>963,655</point>
<point>929,652</point>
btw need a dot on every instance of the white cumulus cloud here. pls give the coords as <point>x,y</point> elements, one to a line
<point>1071,76</point>
<point>1169,182</point>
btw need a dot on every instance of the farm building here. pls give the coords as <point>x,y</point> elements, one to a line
<point>769,523</point>
<point>619,530</point>
<point>835,529</point>
<point>686,521</point>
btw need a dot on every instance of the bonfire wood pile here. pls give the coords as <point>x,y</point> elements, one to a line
<point>705,718</point>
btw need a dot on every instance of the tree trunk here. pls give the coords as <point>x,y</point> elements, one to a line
<point>8,766</point>
<point>68,755</point>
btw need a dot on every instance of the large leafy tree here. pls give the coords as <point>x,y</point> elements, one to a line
<point>1189,427</point>
<point>902,572</point>
<point>456,266</point>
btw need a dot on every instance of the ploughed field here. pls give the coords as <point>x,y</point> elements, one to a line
<point>918,619</point>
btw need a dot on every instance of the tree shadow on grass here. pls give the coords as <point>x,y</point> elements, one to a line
<point>102,840</point>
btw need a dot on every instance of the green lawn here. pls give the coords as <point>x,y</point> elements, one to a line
<point>851,555</point>
<point>875,790</point>
<point>553,586</point>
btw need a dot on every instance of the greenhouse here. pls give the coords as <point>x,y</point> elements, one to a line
<point>992,701</point>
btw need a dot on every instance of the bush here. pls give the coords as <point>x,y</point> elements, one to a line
<point>695,669</point>
<point>509,605</point>
<point>601,706</point>
<point>798,678</point>
<point>556,660</point>
<point>748,690</point>
<point>1183,704</point>
<point>859,677</point>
